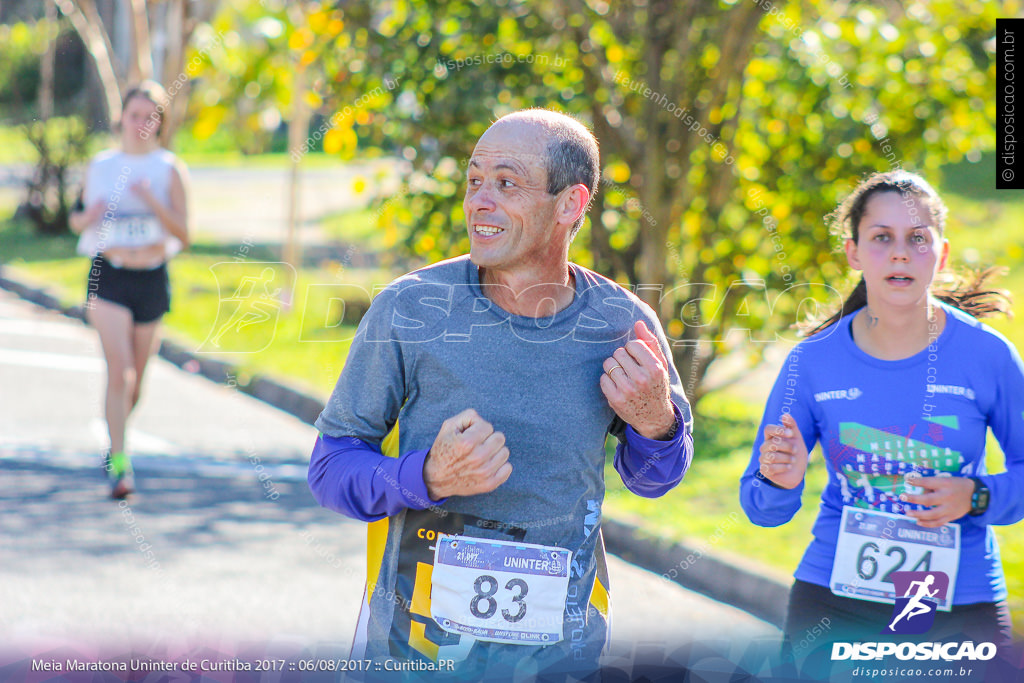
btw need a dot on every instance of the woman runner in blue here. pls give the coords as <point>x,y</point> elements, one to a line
<point>900,388</point>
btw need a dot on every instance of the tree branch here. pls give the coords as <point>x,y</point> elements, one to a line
<point>141,67</point>
<point>87,22</point>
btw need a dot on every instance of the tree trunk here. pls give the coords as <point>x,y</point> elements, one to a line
<point>46,67</point>
<point>298,130</point>
<point>141,66</point>
<point>87,22</point>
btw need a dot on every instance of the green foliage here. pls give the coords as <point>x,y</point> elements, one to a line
<point>20,242</point>
<point>60,143</point>
<point>22,45</point>
<point>727,131</point>
<point>271,54</point>
<point>14,148</point>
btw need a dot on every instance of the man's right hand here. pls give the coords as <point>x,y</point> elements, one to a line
<point>784,454</point>
<point>468,457</point>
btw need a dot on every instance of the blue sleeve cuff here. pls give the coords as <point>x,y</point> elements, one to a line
<point>353,477</point>
<point>1006,505</point>
<point>651,468</point>
<point>407,471</point>
<point>766,503</point>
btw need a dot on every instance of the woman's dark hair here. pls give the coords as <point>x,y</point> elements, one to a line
<point>148,90</point>
<point>969,291</point>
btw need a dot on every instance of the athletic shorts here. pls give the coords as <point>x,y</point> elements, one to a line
<point>146,293</point>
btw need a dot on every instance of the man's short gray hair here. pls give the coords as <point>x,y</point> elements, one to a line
<point>571,156</point>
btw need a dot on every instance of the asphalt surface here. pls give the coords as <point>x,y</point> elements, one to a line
<point>223,548</point>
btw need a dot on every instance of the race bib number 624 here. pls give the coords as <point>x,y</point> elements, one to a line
<point>872,545</point>
<point>499,591</point>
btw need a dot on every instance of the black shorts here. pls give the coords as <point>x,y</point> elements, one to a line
<point>146,293</point>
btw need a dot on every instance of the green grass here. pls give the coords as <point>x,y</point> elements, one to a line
<point>14,148</point>
<point>358,227</point>
<point>303,344</point>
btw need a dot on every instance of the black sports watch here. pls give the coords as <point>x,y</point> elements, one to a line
<point>979,499</point>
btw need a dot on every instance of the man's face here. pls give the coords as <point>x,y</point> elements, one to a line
<point>509,214</point>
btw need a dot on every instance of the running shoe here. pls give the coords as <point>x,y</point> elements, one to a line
<point>118,467</point>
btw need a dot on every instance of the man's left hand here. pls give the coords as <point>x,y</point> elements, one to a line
<point>948,498</point>
<point>635,382</point>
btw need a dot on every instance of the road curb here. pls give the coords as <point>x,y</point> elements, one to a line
<point>697,569</point>
<point>711,574</point>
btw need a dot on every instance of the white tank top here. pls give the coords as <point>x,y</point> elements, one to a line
<point>126,220</point>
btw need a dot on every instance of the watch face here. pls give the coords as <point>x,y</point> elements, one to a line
<point>979,500</point>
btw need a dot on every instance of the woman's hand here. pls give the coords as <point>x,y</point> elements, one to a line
<point>947,498</point>
<point>80,220</point>
<point>174,218</point>
<point>140,189</point>
<point>784,454</point>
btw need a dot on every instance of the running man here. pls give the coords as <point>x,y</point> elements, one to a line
<point>498,375</point>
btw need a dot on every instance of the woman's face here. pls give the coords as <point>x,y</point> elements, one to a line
<point>139,121</point>
<point>899,250</point>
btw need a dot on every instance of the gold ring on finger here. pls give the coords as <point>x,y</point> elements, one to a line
<point>617,367</point>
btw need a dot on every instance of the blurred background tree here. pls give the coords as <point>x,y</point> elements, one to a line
<point>728,129</point>
<point>154,47</point>
<point>706,112</point>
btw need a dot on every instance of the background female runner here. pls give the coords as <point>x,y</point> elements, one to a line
<point>134,220</point>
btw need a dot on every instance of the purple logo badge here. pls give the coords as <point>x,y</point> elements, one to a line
<point>914,612</point>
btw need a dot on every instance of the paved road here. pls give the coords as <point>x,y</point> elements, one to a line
<point>233,564</point>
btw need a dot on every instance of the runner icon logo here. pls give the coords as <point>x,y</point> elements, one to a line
<point>914,613</point>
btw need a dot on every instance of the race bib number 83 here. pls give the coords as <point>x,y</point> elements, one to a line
<point>499,591</point>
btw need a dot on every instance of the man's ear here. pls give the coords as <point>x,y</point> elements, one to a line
<point>572,202</point>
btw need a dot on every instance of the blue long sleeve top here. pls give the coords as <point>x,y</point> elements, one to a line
<point>877,420</point>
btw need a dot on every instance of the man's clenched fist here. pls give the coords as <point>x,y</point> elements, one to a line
<point>468,457</point>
